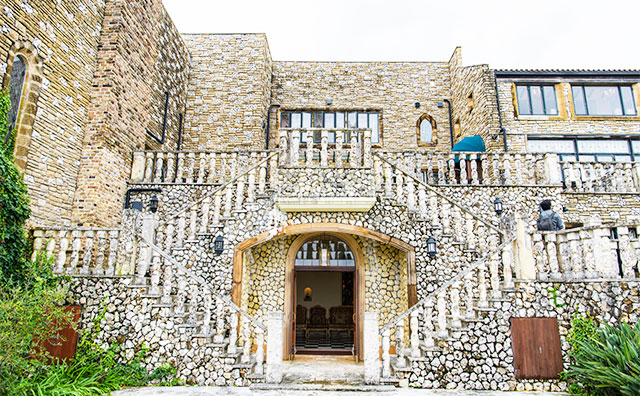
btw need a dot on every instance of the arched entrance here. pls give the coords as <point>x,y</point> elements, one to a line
<point>304,232</point>
<point>334,264</point>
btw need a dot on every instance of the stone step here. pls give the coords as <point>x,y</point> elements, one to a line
<point>327,387</point>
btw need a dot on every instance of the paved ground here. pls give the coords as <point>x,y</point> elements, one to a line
<point>224,391</point>
<point>316,375</point>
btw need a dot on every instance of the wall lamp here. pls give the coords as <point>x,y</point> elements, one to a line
<point>497,206</point>
<point>218,245</point>
<point>153,204</point>
<point>432,249</point>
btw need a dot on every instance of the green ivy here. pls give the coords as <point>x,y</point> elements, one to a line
<point>14,207</point>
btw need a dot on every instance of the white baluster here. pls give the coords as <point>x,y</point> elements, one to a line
<point>246,342</point>
<point>154,290</point>
<point>482,286</point>
<point>170,177</point>
<point>181,170</point>
<point>386,360</point>
<point>182,224</point>
<point>366,160</point>
<point>283,155</point>
<point>452,170</point>
<point>193,226</point>
<point>211,175</point>
<point>206,319</point>
<point>422,200</point>
<point>388,179</point>
<point>445,215</point>
<point>507,264</point>
<point>74,258</point>
<point>220,322</point>
<point>411,195</point>
<point>191,166</point>
<point>37,243</point>
<point>309,159</point>
<point>204,220</point>
<point>148,168</point>
<point>251,189</point>
<point>463,170</point>
<point>113,253</point>
<point>399,187</point>
<point>428,324</point>
<point>415,339</point>
<point>508,180</point>
<point>240,194</point>
<point>518,169</point>
<point>474,168</point>
<point>324,142</point>
<point>469,312</point>
<point>354,160</point>
<point>228,201</point>
<point>259,368</point>
<point>262,174</point>
<point>217,206</point>
<point>98,269</point>
<point>455,305</point>
<point>339,152</point>
<point>441,164</point>
<point>400,353</point>
<point>442,316</point>
<point>159,167</point>
<point>233,167</point>
<point>88,253</point>
<point>295,149</point>
<point>233,334</point>
<point>470,236</point>
<point>167,285</point>
<point>193,304</point>
<point>62,254</point>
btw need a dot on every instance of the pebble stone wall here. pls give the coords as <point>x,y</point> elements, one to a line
<point>229,91</point>
<point>65,36</point>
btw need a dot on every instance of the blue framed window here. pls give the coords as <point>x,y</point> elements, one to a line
<point>332,120</point>
<point>536,100</point>
<point>603,100</point>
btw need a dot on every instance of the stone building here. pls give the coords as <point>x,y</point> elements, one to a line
<point>230,211</point>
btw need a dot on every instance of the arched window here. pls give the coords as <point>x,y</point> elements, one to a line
<point>16,83</point>
<point>426,130</point>
<point>325,251</point>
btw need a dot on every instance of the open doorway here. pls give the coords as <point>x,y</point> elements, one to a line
<point>325,298</point>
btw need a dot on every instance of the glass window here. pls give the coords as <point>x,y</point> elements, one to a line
<point>306,120</point>
<point>603,146</point>
<point>426,131</point>
<point>296,120</point>
<point>285,120</point>
<point>329,120</point>
<point>18,72</point>
<point>607,100</point>
<point>374,124</point>
<point>340,120</point>
<point>363,120</point>
<point>325,251</point>
<point>551,146</point>
<point>317,119</point>
<point>536,100</point>
<point>352,120</point>
<point>600,150</point>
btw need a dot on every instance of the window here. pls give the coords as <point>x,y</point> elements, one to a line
<point>596,150</point>
<point>18,72</point>
<point>604,100</point>
<point>536,100</point>
<point>426,128</point>
<point>331,121</point>
<point>325,251</point>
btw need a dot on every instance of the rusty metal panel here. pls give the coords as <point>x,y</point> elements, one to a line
<point>63,345</point>
<point>536,348</point>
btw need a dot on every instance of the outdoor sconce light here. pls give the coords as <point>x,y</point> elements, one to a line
<point>153,205</point>
<point>218,245</point>
<point>329,102</point>
<point>417,104</point>
<point>431,247</point>
<point>497,206</point>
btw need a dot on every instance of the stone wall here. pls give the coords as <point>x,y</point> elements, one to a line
<point>391,88</point>
<point>229,91</point>
<point>141,56</point>
<point>473,100</point>
<point>65,37</point>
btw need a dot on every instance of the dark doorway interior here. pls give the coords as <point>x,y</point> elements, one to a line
<point>324,312</point>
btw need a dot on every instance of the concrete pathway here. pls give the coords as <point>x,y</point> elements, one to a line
<point>230,391</point>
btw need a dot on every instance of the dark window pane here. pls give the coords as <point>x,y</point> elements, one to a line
<point>579,105</point>
<point>285,120</point>
<point>18,71</point>
<point>627,100</point>
<point>340,120</point>
<point>524,108</point>
<point>374,124</point>
<point>317,119</point>
<point>296,119</point>
<point>603,100</point>
<point>332,138</point>
<point>550,100</point>
<point>536,100</point>
<point>329,120</point>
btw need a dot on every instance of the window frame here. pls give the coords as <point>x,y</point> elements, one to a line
<point>577,153</point>
<point>357,113</point>
<point>620,97</point>
<point>434,136</point>
<point>544,104</point>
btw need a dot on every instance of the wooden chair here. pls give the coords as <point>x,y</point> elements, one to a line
<point>341,319</point>
<point>301,319</point>
<point>317,320</point>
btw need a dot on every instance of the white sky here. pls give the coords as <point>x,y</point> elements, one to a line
<point>503,33</point>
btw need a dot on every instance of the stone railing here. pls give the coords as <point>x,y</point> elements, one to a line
<point>611,252</point>
<point>81,251</point>
<point>430,204</point>
<point>201,167</point>
<point>352,148</point>
<point>473,168</point>
<point>601,176</point>
<point>443,312</point>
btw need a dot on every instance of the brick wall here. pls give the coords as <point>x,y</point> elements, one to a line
<point>135,66</point>
<point>229,91</point>
<point>65,36</point>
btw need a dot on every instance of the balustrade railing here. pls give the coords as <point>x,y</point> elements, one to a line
<point>311,147</point>
<point>81,251</point>
<point>200,167</point>
<point>611,252</point>
<point>442,312</point>
<point>584,176</point>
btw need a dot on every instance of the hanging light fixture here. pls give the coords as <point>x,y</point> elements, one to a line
<point>153,204</point>
<point>218,245</point>
<point>497,206</point>
<point>431,247</point>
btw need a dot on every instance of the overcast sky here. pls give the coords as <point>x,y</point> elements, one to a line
<point>504,34</point>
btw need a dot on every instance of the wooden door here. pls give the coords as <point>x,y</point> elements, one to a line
<point>536,348</point>
<point>62,346</point>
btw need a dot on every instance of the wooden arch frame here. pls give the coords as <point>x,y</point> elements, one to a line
<point>30,93</point>
<point>434,135</point>
<point>343,231</point>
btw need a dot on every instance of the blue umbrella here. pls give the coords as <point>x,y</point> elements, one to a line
<point>471,143</point>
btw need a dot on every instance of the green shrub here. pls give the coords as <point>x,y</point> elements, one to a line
<point>605,361</point>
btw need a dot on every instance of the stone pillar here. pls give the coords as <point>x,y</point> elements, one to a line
<point>371,349</point>
<point>275,323</point>
<point>552,169</point>
<point>137,169</point>
<point>526,264</point>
